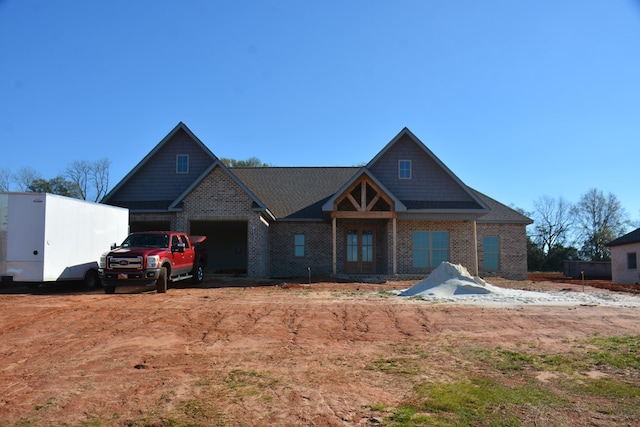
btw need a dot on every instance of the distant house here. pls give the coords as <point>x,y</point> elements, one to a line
<point>624,258</point>
<point>403,213</point>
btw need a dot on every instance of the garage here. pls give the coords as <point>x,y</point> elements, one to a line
<point>226,245</point>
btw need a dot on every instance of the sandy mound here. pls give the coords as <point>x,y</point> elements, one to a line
<point>448,280</point>
<point>452,282</point>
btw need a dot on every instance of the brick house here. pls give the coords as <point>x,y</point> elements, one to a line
<point>624,258</point>
<point>402,214</point>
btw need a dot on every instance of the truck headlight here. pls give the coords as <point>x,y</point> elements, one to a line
<point>152,261</point>
<point>103,261</point>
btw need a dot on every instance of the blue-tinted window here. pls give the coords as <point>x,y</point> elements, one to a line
<point>182,163</point>
<point>404,169</point>
<point>298,245</point>
<point>439,248</point>
<point>430,249</point>
<point>491,252</point>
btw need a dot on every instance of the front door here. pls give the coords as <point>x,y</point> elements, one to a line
<point>360,251</point>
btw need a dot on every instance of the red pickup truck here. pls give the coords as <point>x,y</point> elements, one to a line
<point>153,258</point>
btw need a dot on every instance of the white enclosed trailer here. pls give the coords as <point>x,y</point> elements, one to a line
<point>45,237</point>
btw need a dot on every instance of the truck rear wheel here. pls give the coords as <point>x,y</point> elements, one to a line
<point>198,273</point>
<point>162,281</point>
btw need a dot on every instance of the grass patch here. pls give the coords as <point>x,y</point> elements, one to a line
<point>507,393</point>
<point>406,359</point>
<point>479,401</point>
<point>394,366</point>
<point>620,353</point>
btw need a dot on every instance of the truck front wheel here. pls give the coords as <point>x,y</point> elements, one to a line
<point>162,281</point>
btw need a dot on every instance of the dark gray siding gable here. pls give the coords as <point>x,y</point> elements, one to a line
<point>429,181</point>
<point>158,180</point>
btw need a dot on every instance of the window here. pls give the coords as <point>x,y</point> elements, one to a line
<point>404,169</point>
<point>430,249</point>
<point>367,246</point>
<point>632,262</point>
<point>491,248</point>
<point>182,163</point>
<point>298,245</point>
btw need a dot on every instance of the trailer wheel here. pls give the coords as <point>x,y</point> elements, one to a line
<point>198,273</point>
<point>91,280</point>
<point>109,289</point>
<point>161,283</point>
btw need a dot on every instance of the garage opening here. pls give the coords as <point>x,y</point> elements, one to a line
<point>226,245</point>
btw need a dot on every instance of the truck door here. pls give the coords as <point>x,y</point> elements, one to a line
<point>189,252</point>
<point>177,257</point>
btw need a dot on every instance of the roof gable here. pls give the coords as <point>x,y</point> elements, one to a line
<point>328,206</point>
<point>432,186</point>
<point>257,203</point>
<point>154,180</point>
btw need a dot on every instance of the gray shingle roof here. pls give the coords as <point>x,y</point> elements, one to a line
<point>300,192</point>
<point>633,237</point>
<point>501,213</point>
<point>294,192</point>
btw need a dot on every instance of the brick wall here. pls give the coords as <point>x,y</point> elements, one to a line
<point>460,243</point>
<point>318,249</point>
<point>513,250</point>
<point>219,198</point>
<point>271,246</point>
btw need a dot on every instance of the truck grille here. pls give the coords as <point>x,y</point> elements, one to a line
<point>124,263</point>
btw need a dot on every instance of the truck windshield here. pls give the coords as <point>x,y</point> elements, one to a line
<point>146,241</point>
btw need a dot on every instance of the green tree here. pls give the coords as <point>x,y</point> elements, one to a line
<point>554,259</point>
<point>252,162</point>
<point>599,220</point>
<point>57,185</point>
<point>535,256</point>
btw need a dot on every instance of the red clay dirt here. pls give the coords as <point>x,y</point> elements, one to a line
<point>240,352</point>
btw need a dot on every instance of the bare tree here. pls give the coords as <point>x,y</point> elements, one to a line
<point>78,173</point>
<point>553,222</point>
<point>90,178</point>
<point>100,177</point>
<point>5,179</point>
<point>25,177</point>
<point>600,219</point>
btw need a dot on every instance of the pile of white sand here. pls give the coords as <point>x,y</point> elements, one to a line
<point>453,283</point>
<point>446,281</point>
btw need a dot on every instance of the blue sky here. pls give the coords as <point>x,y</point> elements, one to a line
<point>520,99</point>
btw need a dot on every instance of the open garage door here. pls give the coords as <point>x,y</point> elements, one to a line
<point>226,245</point>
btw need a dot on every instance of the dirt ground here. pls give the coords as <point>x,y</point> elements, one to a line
<point>237,352</point>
